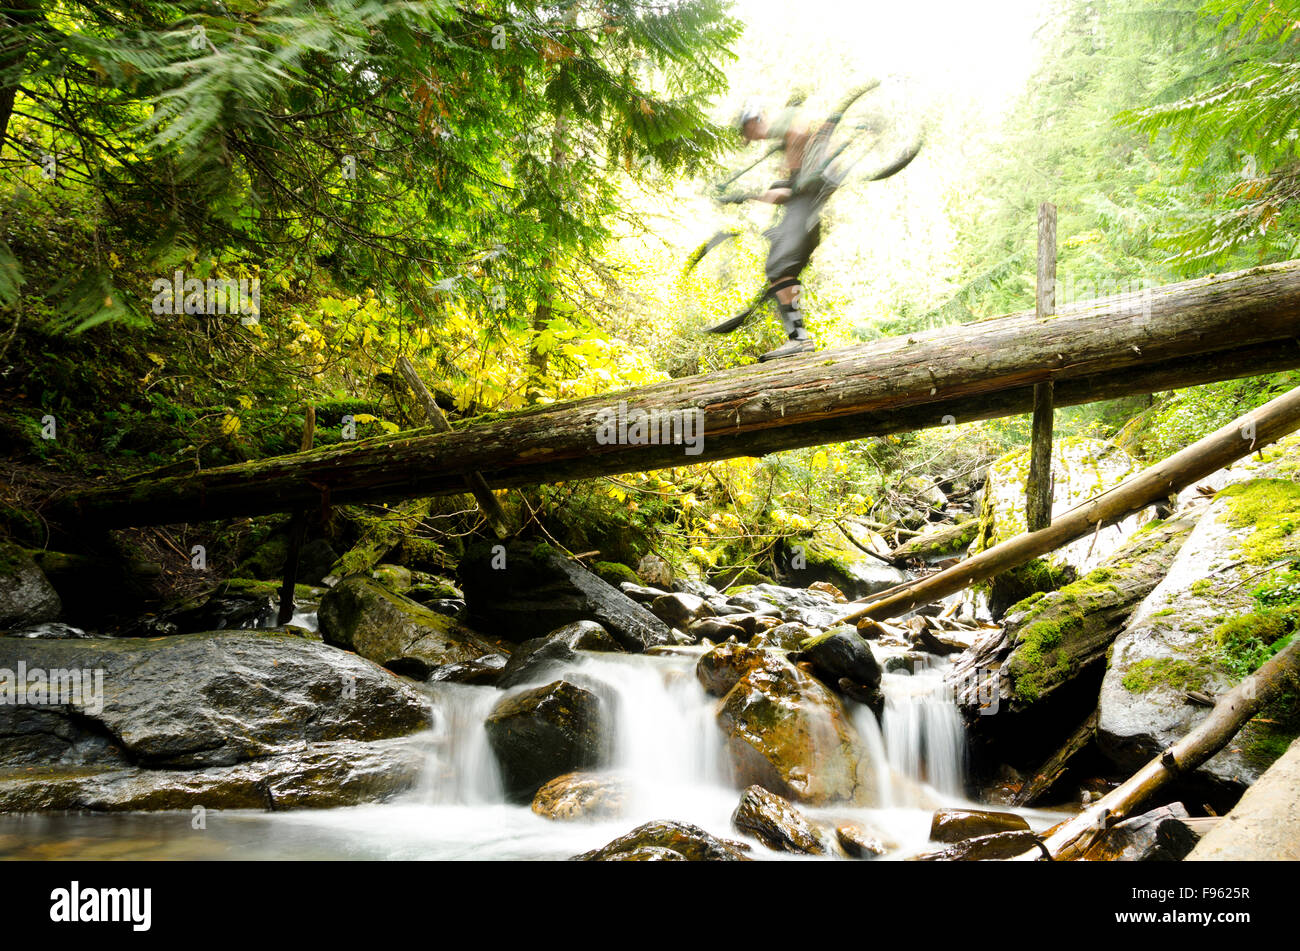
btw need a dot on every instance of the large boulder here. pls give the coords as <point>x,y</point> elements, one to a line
<point>362,615</point>
<point>545,732</point>
<point>776,823</point>
<point>668,841</point>
<point>1156,836</point>
<point>1201,630</point>
<point>535,660</point>
<point>315,776</point>
<point>814,608</point>
<point>193,700</point>
<point>528,590</point>
<point>790,734</point>
<point>26,595</point>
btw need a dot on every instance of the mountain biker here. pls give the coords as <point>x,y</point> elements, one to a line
<point>794,238</point>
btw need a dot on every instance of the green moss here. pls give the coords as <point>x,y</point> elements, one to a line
<point>615,573</point>
<point>1272,508</point>
<point>1202,587</point>
<point>1175,673</point>
<point>1248,641</point>
<point>1165,613</point>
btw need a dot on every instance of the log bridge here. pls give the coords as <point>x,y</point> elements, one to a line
<point>1214,328</point>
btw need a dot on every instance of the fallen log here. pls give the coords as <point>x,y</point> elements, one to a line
<point>1212,328</point>
<point>1241,437</point>
<point>1073,838</point>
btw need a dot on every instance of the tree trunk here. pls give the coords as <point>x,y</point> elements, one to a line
<point>1038,486</point>
<point>1239,438</point>
<point>973,371</point>
<point>1229,715</point>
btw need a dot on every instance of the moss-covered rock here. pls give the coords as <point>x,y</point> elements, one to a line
<point>362,615</point>
<point>612,572</point>
<point>26,595</point>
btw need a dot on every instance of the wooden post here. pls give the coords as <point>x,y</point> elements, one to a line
<point>474,481</point>
<point>1038,487</point>
<point>297,531</point>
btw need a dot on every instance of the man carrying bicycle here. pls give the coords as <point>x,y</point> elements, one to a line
<point>794,238</point>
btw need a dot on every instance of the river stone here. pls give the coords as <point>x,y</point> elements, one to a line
<point>362,615</point>
<point>954,825</point>
<point>1168,647</point>
<point>535,660</point>
<point>26,595</point>
<point>858,843</point>
<point>776,823</point>
<point>679,609</point>
<point>543,733</point>
<point>720,668</point>
<point>814,608</point>
<point>484,671</point>
<point>1156,836</point>
<point>317,776</point>
<point>536,590</point>
<point>788,733</point>
<point>985,848</point>
<point>582,796</point>
<point>790,635</point>
<point>841,653</point>
<point>585,636</point>
<point>640,593</point>
<point>207,699</point>
<point>716,630</point>
<point>652,840</point>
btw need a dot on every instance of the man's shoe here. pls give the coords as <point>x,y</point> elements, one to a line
<point>789,349</point>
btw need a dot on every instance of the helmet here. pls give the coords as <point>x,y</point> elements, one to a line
<point>750,110</point>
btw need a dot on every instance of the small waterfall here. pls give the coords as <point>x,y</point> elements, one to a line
<point>462,770</point>
<point>925,738</point>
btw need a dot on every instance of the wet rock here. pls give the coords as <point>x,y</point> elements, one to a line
<point>696,587</point>
<point>316,776</point>
<point>587,796</point>
<point>585,636</point>
<point>776,823</point>
<point>788,733</point>
<point>814,608</point>
<point>535,660</point>
<point>825,587</point>
<point>26,595</point>
<point>543,733</point>
<point>661,840</point>
<point>906,663</point>
<point>841,653</point>
<point>655,572</point>
<point>858,843</point>
<point>1155,836</point>
<point>719,669</point>
<point>361,615</point>
<point>484,671</point>
<point>716,630</point>
<point>679,610</point>
<point>196,700</point>
<point>754,623</point>
<point>984,848</point>
<point>938,644</point>
<point>790,635</point>
<point>640,593</point>
<point>449,607</point>
<point>954,825</point>
<point>532,590</point>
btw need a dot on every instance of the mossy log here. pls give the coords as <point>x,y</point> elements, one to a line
<point>1242,436</point>
<point>946,542</point>
<point>1212,328</point>
<point>1233,710</point>
<point>1047,641</point>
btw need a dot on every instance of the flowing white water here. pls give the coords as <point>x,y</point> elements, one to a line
<point>924,735</point>
<point>666,746</point>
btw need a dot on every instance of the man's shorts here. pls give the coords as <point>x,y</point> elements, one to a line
<point>795,236</point>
